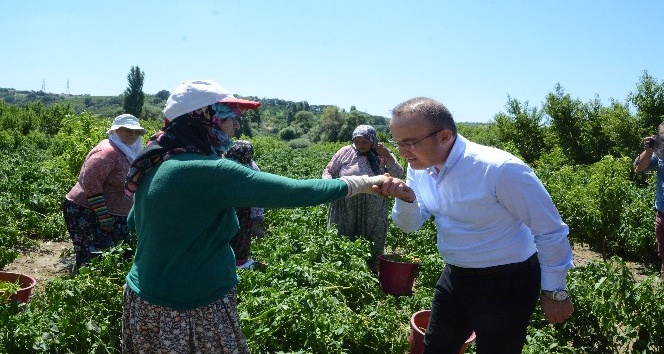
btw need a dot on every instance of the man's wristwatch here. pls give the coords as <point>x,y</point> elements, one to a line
<point>556,295</point>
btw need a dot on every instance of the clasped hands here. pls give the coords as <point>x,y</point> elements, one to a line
<point>394,187</point>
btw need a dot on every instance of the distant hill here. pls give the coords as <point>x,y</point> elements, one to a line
<point>105,106</point>
<point>275,116</point>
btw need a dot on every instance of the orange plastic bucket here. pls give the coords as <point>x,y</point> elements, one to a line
<point>418,325</point>
<point>26,282</point>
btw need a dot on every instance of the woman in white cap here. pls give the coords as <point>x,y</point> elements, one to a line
<point>180,295</point>
<point>96,209</point>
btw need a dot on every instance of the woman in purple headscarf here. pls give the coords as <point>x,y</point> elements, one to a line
<point>364,215</point>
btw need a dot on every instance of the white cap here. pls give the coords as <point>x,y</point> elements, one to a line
<point>127,121</point>
<point>196,94</point>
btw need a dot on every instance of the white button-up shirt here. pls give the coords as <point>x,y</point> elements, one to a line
<point>490,209</point>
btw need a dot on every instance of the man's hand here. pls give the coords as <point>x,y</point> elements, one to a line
<point>648,141</point>
<point>556,311</point>
<point>394,187</point>
<point>383,151</point>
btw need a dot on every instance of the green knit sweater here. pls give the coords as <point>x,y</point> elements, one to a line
<point>184,217</point>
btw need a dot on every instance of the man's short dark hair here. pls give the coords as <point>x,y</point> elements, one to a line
<point>433,111</point>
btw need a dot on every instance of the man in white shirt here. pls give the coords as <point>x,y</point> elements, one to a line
<point>502,239</point>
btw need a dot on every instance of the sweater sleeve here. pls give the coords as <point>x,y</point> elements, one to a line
<point>243,187</point>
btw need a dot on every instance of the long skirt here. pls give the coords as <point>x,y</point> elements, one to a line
<point>365,216</point>
<point>88,239</point>
<point>149,328</point>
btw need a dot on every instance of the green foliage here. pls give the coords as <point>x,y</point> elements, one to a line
<point>289,133</point>
<point>77,136</point>
<point>571,126</point>
<point>330,124</point>
<point>273,116</point>
<point>78,314</point>
<point>522,127</point>
<point>133,94</point>
<point>103,106</point>
<point>162,95</point>
<point>551,161</point>
<point>617,313</point>
<point>304,120</point>
<point>649,101</point>
<point>622,131</point>
<point>603,207</point>
<point>299,143</point>
<point>316,293</point>
<point>481,133</point>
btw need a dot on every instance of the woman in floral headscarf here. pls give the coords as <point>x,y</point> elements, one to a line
<point>180,295</point>
<point>363,215</point>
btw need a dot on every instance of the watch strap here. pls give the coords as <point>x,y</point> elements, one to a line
<point>556,295</point>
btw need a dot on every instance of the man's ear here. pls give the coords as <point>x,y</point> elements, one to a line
<point>446,135</point>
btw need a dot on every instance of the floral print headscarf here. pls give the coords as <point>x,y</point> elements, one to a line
<point>195,132</point>
<point>242,151</point>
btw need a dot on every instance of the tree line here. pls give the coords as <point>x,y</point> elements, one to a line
<point>584,131</point>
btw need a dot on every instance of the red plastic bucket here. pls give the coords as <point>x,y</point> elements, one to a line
<point>27,283</point>
<point>396,278</point>
<point>418,325</point>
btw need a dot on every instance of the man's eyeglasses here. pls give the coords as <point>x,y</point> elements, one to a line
<point>411,144</point>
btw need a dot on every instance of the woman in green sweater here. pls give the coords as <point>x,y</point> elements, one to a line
<point>180,294</point>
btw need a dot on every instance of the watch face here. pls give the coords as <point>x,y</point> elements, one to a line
<point>560,295</point>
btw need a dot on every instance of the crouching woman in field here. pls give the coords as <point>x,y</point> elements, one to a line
<point>180,295</point>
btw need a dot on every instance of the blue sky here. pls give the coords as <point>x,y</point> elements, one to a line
<point>470,55</point>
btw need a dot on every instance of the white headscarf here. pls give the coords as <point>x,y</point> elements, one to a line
<point>130,151</point>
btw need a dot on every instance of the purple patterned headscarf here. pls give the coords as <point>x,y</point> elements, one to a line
<point>369,132</point>
<point>366,131</point>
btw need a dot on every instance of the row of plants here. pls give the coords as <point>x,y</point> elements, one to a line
<point>316,295</point>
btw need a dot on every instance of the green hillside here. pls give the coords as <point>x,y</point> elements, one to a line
<point>299,123</point>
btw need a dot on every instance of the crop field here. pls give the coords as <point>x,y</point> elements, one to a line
<point>316,294</point>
